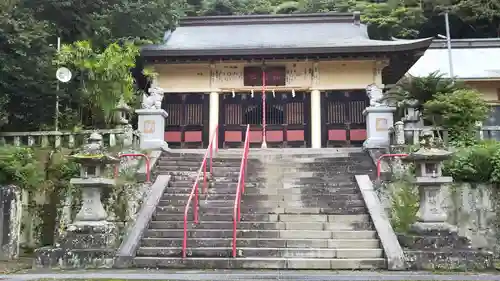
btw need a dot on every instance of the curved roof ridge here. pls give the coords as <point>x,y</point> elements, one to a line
<point>271,19</point>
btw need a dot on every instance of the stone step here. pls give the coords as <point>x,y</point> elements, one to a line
<point>215,215</point>
<point>334,208</point>
<point>192,173</point>
<point>187,159</point>
<point>216,162</point>
<point>333,193</point>
<point>190,176</point>
<point>216,169</point>
<point>262,252</point>
<point>258,263</point>
<point>261,197</point>
<point>263,243</point>
<point>287,234</point>
<point>334,218</point>
<point>360,225</point>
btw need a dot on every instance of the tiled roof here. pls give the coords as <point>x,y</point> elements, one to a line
<point>274,34</point>
<point>472,59</point>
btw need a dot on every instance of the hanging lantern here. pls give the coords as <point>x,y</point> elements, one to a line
<point>274,94</point>
<point>251,91</point>
<point>234,95</point>
<point>293,93</point>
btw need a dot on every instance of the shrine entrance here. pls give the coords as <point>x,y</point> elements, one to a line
<point>187,123</point>
<point>342,117</point>
<point>287,119</point>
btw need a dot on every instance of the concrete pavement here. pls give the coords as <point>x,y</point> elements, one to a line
<point>238,275</point>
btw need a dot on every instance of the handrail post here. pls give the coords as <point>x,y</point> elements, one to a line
<point>205,178</point>
<point>379,161</point>
<point>184,241</point>
<point>195,191</point>
<point>211,161</point>
<point>146,158</point>
<point>196,204</point>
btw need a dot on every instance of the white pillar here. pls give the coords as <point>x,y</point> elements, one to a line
<point>315,119</point>
<point>214,114</point>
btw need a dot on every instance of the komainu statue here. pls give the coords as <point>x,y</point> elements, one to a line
<point>374,94</point>
<point>154,99</point>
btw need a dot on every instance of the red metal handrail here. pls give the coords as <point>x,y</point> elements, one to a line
<point>379,161</point>
<point>146,158</point>
<point>194,191</point>
<point>240,188</point>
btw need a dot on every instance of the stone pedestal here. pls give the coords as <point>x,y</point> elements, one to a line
<point>378,121</point>
<point>152,128</point>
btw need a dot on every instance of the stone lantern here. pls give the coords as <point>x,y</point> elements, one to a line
<point>91,237</point>
<point>90,240</point>
<point>411,119</point>
<point>432,243</point>
<point>430,180</point>
<point>92,181</point>
<point>122,111</point>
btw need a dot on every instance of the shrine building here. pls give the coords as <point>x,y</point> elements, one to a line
<point>313,68</point>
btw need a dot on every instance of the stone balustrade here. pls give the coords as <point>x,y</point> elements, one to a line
<point>412,135</point>
<point>69,139</point>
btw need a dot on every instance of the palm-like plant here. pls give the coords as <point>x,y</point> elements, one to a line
<point>414,92</point>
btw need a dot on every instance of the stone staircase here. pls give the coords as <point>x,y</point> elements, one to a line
<point>299,211</point>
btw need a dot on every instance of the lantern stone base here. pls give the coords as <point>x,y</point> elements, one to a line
<point>91,245</point>
<point>439,247</point>
<point>433,228</point>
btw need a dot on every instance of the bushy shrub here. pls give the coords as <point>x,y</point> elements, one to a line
<point>458,112</point>
<point>19,166</point>
<point>476,163</point>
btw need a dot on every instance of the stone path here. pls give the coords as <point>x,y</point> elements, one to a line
<point>233,275</point>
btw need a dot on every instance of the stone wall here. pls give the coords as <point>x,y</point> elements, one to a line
<point>470,207</point>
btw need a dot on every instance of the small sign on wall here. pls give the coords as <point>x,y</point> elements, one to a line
<point>381,124</point>
<point>149,126</point>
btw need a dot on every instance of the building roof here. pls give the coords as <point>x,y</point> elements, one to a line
<point>473,59</point>
<point>329,33</point>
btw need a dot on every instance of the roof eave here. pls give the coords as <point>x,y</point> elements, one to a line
<point>406,46</point>
<point>478,79</point>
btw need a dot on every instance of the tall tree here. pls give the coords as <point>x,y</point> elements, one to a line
<point>26,74</point>
<point>28,35</point>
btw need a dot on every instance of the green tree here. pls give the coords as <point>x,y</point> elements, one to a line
<point>102,77</point>
<point>458,112</point>
<point>28,35</point>
<point>25,69</point>
<point>412,91</point>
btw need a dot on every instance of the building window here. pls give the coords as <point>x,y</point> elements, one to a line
<point>493,120</point>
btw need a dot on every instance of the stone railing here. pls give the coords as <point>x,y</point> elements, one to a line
<point>412,135</point>
<point>68,139</point>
